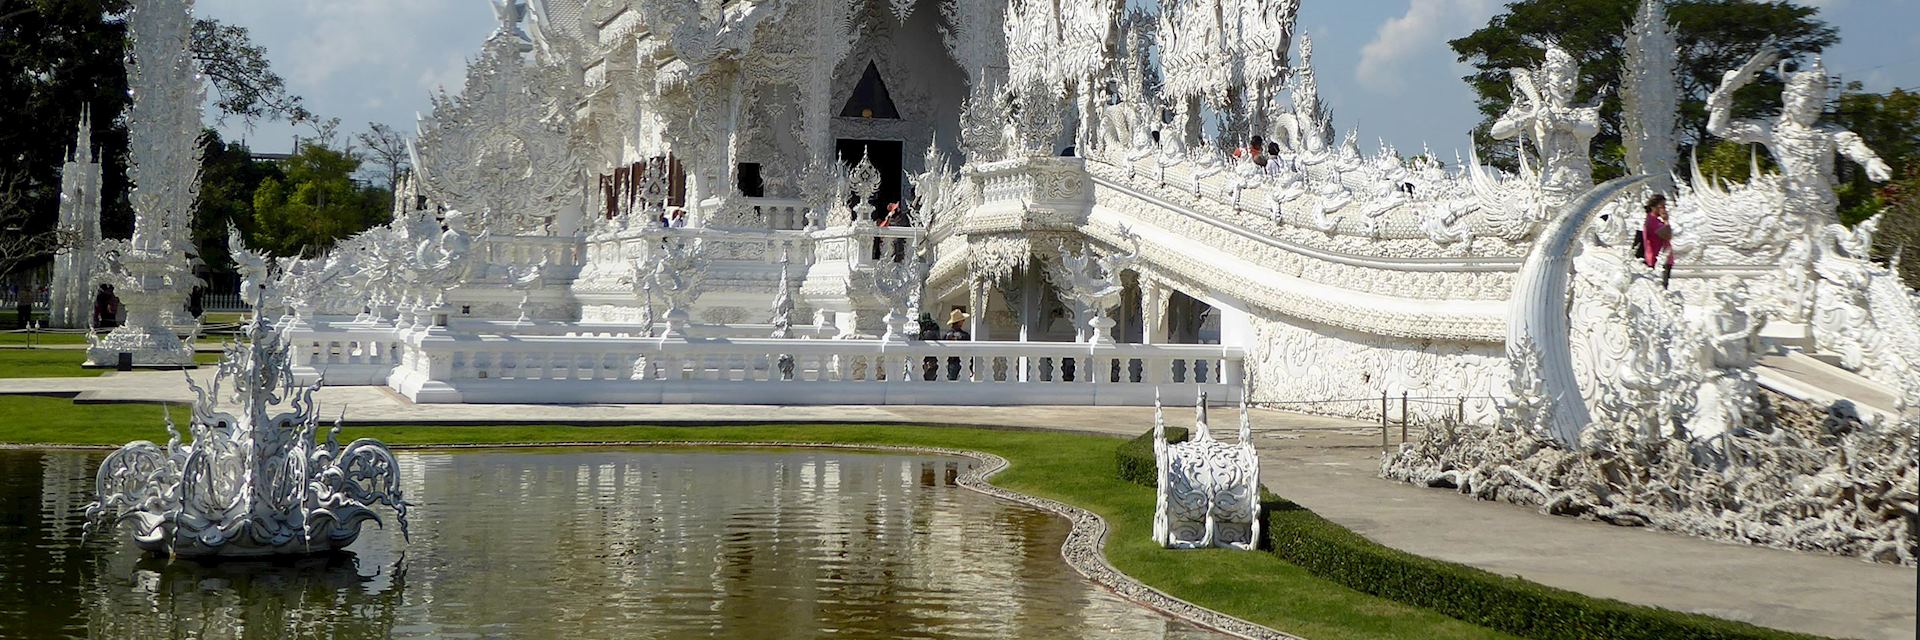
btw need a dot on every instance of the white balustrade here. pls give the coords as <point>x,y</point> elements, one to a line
<point>345,357</point>
<point>862,245</point>
<point>578,369</point>
<point>781,214</point>
<point>629,330</point>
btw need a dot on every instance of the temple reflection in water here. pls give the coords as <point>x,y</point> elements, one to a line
<point>595,544</point>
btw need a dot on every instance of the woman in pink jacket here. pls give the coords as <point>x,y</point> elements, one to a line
<point>1657,237</point>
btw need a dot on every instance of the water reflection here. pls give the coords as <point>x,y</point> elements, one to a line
<point>325,596</point>
<point>589,544</point>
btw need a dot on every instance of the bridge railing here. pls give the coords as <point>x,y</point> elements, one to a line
<point>542,369</point>
<point>1397,418</point>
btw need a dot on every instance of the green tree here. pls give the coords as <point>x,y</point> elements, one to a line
<point>316,204</point>
<point>58,57</point>
<point>1899,232</point>
<point>1714,36</point>
<point>1730,161</point>
<point>1890,123</point>
<point>229,176</point>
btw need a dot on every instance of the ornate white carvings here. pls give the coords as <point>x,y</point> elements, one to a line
<point>501,148</point>
<point>898,283</point>
<point>71,293</point>
<point>1810,479</point>
<point>677,274</point>
<point>1209,491</point>
<point>252,482</point>
<point>1211,47</point>
<point>1649,95</point>
<point>1544,113</point>
<point>150,272</point>
<point>1538,313</point>
<point>1805,150</point>
<point>1092,285</point>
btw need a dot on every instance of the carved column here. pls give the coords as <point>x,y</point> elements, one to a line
<point>1233,120</point>
<point>977,296</point>
<point>1189,121</point>
<point>1153,311</point>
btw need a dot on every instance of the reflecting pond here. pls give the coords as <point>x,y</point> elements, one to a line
<point>638,543</point>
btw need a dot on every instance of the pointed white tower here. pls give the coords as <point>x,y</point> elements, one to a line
<point>71,293</point>
<point>1649,95</point>
<point>152,273</point>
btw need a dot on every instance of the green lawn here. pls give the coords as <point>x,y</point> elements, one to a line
<point>223,317</point>
<point>45,363</point>
<point>1077,469</point>
<point>61,363</point>
<point>11,338</point>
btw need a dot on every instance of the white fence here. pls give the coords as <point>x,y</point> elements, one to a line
<point>344,354</point>
<point>556,370</point>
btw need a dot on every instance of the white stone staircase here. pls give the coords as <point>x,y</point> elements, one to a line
<point>1794,369</point>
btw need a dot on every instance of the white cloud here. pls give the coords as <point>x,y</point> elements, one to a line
<point>1420,33</point>
<point>359,60</point>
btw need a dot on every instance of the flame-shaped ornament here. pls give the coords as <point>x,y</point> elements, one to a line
<point>253,482</point>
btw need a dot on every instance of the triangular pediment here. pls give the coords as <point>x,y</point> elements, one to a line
<point>870,98</point>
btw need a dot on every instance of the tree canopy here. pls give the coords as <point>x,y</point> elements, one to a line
<point>58,57</point>
<point>316,204</point>
<point>1714,36</point>
<point>229,175</point>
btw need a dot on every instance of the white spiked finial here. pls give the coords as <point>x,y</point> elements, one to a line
<point>1200,430</point>
<point>1246,422</point>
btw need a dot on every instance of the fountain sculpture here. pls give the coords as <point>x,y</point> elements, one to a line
<point>253,482</point>
<point>1209,490</point>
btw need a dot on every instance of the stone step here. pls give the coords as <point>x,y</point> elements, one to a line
<point>1832,360</point>
<point>1787,335</point>
<point>1806,377</point>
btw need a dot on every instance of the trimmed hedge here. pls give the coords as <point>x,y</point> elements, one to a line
<point>1512,605</point>
<point>1134,462</point>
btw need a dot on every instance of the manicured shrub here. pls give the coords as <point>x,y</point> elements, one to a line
<point>1134,458</point>
<point>1512,605</point>
<point>1508,604</point>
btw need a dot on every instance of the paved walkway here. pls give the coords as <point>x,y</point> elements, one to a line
<point>1327,465</point>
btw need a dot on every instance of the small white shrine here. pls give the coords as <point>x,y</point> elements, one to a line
<point>1208,490</point>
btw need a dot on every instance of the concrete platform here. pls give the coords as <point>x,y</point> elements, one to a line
<point>1328,465</point>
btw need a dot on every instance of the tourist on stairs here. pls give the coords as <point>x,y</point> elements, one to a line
<point>1657,237</point>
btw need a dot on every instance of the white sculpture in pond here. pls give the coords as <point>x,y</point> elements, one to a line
<point>252,483</point>
<point>1209,492</point>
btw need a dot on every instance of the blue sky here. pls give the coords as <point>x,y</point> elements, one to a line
<point>1383,65</point>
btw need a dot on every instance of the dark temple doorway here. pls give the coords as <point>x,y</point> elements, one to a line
<point>886,156</point>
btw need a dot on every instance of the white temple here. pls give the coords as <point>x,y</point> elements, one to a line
<point>1095,248</point>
